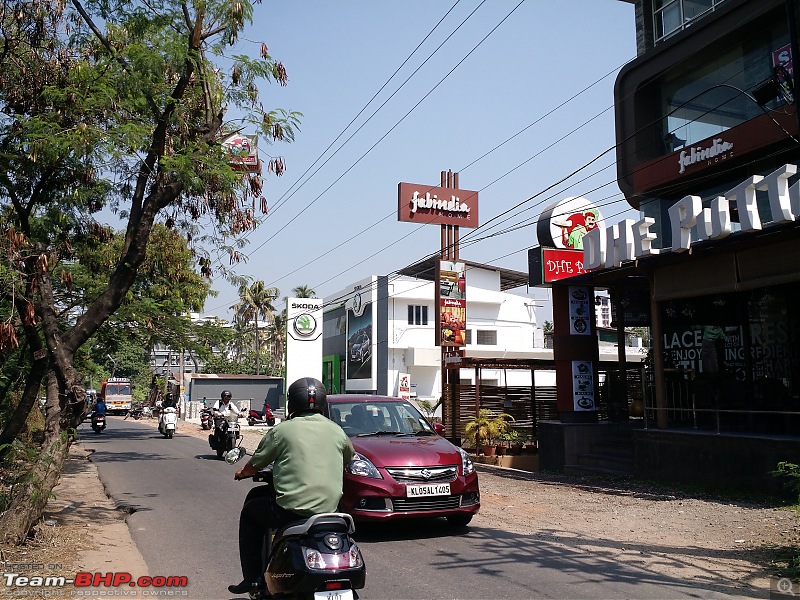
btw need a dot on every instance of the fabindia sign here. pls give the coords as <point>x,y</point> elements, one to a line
<point>631,240</point>
<point>418,203</point>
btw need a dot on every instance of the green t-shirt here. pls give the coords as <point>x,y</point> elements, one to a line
<point>309,452</point>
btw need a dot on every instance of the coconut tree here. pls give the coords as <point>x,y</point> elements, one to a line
<point>304,291</point>
<point>256,303</point>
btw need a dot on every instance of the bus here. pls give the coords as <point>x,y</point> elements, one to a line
<point>116,393</point>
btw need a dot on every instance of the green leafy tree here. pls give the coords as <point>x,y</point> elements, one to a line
<point>304,291</point>
<point>117,105</point>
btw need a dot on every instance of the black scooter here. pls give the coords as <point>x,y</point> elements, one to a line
<point>314,559</point>
<point>98,423</point>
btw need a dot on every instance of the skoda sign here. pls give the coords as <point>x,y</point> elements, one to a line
<point>305,325</point>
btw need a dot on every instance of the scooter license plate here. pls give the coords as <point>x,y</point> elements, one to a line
<point>427,489</point>
<point>334,595</point>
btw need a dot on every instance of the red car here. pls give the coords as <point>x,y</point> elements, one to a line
<point>403,468</point>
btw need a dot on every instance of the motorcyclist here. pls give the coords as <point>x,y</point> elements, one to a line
<point>308,453</point>
<point>221,410</point>
<point>98,409</point>
<point>168,402</point>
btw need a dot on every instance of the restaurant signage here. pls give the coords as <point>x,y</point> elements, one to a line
<point>631,240</point>
<point>546,265</point>
<point>242,152</point>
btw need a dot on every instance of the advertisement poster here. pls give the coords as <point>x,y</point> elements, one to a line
<point>580,317</point>
<point>582,385</point>
<point>359,341</point>
<point>404,386</point>
<point>451,300</point>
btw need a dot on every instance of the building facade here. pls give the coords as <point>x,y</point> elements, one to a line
<point>708,152</point>
<point>381,328</point>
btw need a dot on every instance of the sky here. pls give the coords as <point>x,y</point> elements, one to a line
<point>514,96</point>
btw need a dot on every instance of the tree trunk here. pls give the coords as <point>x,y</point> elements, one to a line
<point>31,393</point>
<point>30,495</point>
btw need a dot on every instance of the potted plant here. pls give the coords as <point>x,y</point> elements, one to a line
<point>485,428</point>
<point>515,440</point>
<point>531,445</point>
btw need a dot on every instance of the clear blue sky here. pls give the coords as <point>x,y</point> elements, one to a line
<point>340,225</point>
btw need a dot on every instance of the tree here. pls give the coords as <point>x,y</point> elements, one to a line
<point>304,291</point>
<point>118,105</point>
<point>276,336</point>
<point>256,302</point>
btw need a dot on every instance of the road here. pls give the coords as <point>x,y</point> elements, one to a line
<point>185,507</point>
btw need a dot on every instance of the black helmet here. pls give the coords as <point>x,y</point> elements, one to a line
<point>305,395</point>
<point>169,396</point>
<point>226,395</point>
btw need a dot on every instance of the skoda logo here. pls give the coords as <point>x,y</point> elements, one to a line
<point>305,325</point>
<point>357,304</point>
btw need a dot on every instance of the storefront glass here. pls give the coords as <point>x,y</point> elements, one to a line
<point>732,361</point>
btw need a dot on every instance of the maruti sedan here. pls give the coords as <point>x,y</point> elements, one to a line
<point>403,468</point>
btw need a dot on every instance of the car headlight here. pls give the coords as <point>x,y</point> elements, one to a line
<point>362,467</point>
<point>466,462</point>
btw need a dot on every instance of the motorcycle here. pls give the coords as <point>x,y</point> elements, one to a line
<point>206,418</point>
<point>136,413</point>
<point>168,422</point>
<point>227,434</point>
<point>265,416</point>
<point>98,423</point>
<point>314,559</point>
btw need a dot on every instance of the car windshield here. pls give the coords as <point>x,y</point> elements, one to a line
<point>379,418</point>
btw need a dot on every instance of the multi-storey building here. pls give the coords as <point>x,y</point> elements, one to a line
<point>708,153</point>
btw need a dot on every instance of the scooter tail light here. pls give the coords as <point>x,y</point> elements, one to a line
<point>322,561</point>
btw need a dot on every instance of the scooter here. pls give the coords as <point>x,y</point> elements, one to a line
<point>98,423</point>
<point>206,418</point>
<point>227,435</point>
<point>265,416</point>
<point>314,559</point>
<point>168,422</point>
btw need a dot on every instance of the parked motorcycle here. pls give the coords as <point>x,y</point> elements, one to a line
<point>206,418</point>
<point>168,422</point>
<point>135,413</point>
<point>227,433</point>
<point>98,423</point>
<point>314,559</point>
<point>265,416</point>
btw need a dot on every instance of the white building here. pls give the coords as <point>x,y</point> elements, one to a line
<point>395,317</point>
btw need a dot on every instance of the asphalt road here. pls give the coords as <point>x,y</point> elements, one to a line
<point>185,509</point>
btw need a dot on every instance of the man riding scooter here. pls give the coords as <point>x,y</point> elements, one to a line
<point>222,410</point>
<point>168,416</point>
<point>308,453</point>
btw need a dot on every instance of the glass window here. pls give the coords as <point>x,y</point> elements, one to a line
<point>671,16</point>
<point>417,315</point>
<point>487,338</point>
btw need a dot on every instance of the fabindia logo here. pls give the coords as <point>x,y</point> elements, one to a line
<point>717,150</point>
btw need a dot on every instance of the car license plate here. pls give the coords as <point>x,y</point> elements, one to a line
<point>334,595</point>
<point>427,489</point>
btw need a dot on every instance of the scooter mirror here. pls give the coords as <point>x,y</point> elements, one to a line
<point>234,455</point>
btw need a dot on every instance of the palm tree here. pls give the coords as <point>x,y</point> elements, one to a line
<point>303,291</point>
<point>256,302</point>
<point>276,336</point>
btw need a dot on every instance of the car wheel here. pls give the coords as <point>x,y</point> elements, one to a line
<point>459,520</point>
